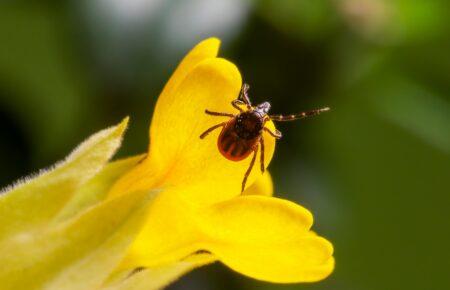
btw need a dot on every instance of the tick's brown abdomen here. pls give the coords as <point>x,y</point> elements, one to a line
<point>232,146</point>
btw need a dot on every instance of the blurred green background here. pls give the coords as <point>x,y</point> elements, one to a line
<point>375,171</point>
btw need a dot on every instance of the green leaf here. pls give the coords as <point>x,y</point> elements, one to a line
<point>34,201</point>
<point>96,189</point>
<point>157,278</point>
<point>80,253</point>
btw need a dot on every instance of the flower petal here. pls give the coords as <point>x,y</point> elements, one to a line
<point>305,260</point>
<point>262,186</point>
<point>168,235</point>
<point>178,157</point>
<point>144,176</point>
<point>247,233</point>
<point>206,49</point>
<point>267,239</point>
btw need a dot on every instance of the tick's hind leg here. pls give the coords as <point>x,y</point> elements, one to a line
<point>204,134</point>
<point>263,167</point>
<point>247,173</point>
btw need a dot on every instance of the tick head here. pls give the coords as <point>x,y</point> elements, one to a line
<point>249,124</point>
<point>263,108</point>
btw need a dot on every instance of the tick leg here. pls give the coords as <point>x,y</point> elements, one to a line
<point>204,134</point>
<point>277,134</point>
<point>208,112</point>
<point>247,173</point>
<point>261,141</point>
<point>244,96</point>
<point>299,115</point>
<point>237,103</point>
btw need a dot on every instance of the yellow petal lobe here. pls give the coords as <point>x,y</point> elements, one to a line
<point>263,185</point>
<point>305,260</point>
<point>253,217</point>
<point>267,239</point>
<point>168,235</point>
<point>262,237</point>
<point>206,49</point>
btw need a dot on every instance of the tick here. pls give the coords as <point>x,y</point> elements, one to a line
<point>242,134</point>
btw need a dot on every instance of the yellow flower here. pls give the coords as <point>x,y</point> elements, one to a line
<point>88,223</point>
<point>200,207</point>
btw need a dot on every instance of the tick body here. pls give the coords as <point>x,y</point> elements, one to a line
<point>242,134</point>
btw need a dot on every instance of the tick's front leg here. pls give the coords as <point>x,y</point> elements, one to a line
<point>204,134</point>
<point>237,103</point>
<point>208,112</point>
